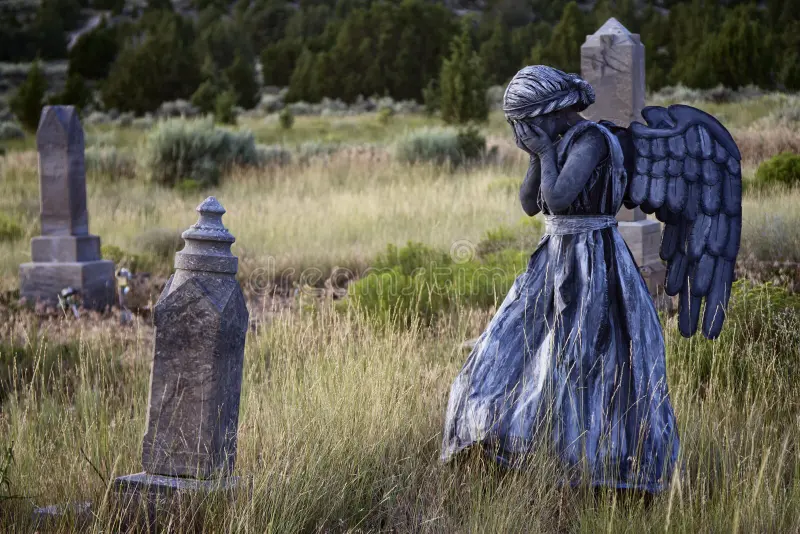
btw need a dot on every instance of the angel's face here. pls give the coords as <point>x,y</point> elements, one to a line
<point>553,124</point>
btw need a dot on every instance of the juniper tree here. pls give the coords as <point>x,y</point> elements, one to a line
<point>463,83</point>
<point>28,100</point>
<point>563,50</point>
<point>241,76</point>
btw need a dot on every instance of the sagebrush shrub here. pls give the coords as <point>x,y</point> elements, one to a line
<point>273,155</point>
<point>429,145</point>
<point>143,123</point>
<point>98,117</point>
<point>441,146</point>
<point>781,169</point>
<point>177,108</point>
<point>11,130</point>
<point>315,149</point>
<point>110,162</point>
<point>178,149</point>
<point>787,115</point>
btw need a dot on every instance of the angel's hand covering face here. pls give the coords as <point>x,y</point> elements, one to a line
<point>530,137</point>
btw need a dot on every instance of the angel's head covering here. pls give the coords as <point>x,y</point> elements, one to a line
<point>539,89</point>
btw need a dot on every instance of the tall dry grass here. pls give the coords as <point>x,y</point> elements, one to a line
<point>341,425</point>
<point>337,211</point>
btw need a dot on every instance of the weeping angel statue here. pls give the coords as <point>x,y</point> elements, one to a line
<point>573,362</point>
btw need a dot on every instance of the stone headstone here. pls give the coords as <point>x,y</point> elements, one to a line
<point>65,255</point>
<point>201,322</point>
<point>612,61</point>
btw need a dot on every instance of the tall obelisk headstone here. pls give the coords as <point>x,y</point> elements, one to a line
<point>201,322</point>
<point>65,255</point>
<point>612,61</point>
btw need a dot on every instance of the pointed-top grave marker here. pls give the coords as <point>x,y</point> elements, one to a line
<point>201,322</point>
<point>65,255</point>
<point>62,175</point>
<point>612,61</point>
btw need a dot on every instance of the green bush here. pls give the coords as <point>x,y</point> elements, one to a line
<point>179,149</point>
<point>385,116</point>
<point>471,143</point>
<point>441,146</point>
<point>781,169</point>
<point>524,237</point>
<point>412,257</point>
<point>10,130</point>
<point>418,283</point>
<point>223,107</point>
<point>9,230</point>
<point>205,97</point>
<point>286,118</point>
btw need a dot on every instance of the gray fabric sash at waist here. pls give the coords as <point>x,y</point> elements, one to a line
<point>576,224</point>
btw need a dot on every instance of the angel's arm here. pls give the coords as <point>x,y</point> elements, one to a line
<point>529,192</point>
<point>559,190</point>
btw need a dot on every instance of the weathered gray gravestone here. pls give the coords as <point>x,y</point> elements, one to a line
<point>612,61</point>
<point>201,322</point>
<point>65,255</point>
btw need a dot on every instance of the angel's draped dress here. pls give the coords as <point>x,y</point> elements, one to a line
<point>573,360</point>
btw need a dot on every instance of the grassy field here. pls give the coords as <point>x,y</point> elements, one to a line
<point>341,424</point>
<point>341,415</point>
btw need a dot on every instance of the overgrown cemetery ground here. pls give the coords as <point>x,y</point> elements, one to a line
<point>341,412</point>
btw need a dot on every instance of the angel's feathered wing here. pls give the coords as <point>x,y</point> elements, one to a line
<point>685,167</point>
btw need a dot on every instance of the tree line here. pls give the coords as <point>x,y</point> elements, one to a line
<point>406,49</point>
